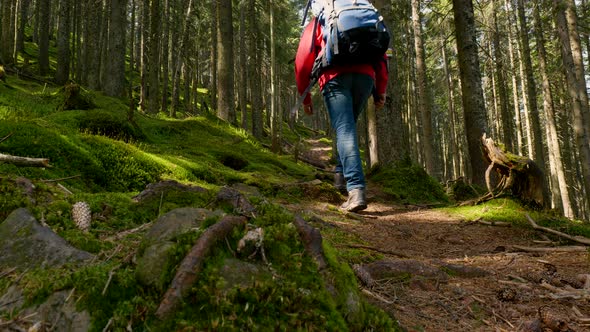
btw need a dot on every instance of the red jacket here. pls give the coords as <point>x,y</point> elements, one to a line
<point>306,55</point>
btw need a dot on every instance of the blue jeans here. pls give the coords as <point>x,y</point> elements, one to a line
<point>346,97</point>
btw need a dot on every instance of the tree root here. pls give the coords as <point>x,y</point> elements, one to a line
<point>191,265</point>
<point>579,239</point>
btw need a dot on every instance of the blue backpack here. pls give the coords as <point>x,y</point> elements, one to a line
<point>353,31</point>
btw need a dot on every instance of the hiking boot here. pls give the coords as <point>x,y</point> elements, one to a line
<point>340,182</point>
<point>357,200</point>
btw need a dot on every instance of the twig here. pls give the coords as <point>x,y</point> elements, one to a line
<point>494,223</point>
<point>64,189</point>
<point>106,286</point>
<point>579,239</point>
<point>377,296</point>
<point>552,249</point>
<point>360,246</point>
<point>121,235</point>
<point>5,273</point>
<point>66,178</point>
<point>106,328</point>
<point>5,137</point>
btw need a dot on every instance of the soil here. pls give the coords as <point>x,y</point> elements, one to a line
<point>514,290</point>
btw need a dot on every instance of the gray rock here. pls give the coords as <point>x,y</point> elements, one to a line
<point>237,273</point>
<point>24,243</point>
<point>177,222</point>
<point>12,300</point>
<point>55,310</point>
<point>153,260</point>
<point>153,263</point>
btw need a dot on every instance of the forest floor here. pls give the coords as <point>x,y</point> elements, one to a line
<point>516,290</point>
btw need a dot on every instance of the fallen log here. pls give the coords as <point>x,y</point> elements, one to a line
<point>518,175</point>
<point>551,249</point>
<point>24,161</point>
<point>579,239</point>
<point>191,265</point>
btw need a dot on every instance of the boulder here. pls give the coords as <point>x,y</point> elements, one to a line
<point>26,244</point>
<point>153,261</point>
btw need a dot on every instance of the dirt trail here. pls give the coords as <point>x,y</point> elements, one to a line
<point>488,284</point>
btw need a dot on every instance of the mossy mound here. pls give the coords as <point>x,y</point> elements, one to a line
<point>73,97</point>
<point>110,124</point>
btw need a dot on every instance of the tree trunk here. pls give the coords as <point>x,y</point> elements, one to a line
<point>153,78</point>
<point>143,57</point>
<point>214,53</point>
<point>453,151</point>
<point>243,67</point>
<point>6,32</point>
<point>505,115</point>
<point>423,94</point>
<point>45,12</point>
<point>92,45</point>
<point>576,96</point>
<point>274,121</point>
<point>165,53</point>
<point>225,61</point>
<point>518,144</point>
<point>62,72</point>
<point>472,94</point>
<point>114,84</point>
<point>534,131</point>
<point>254,72</point>
<point>20,34</point>
<point>553,136</point>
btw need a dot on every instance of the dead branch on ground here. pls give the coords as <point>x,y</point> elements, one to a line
<point>24,161</point>
<point>577,238</point>
<point>551,249</point>
<point>191,265</point>
<point>382,251</point>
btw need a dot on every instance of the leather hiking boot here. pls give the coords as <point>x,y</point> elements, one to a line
<point>340,182</point>
<point>357,201</point>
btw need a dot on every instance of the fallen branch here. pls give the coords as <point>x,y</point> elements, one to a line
<point>191,265</point>
<point>494,223</point>
<point>66,178</point>
<point>387,252</point>
<point>24,161</point>
<point>123,234</point>
<point>551,249</point>
<point>579,239</point>
<point>5,137</point>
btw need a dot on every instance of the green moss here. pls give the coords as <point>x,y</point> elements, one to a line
<point>409,183</point>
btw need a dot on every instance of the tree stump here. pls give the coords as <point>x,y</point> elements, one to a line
<point>75,99</point>
<point>518,175</point>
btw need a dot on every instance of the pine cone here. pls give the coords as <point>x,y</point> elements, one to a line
<point>82,215</point>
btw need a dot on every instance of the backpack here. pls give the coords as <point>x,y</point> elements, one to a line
<point>353,33</point>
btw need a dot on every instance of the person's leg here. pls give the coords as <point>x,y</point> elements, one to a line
<point>338,97</point>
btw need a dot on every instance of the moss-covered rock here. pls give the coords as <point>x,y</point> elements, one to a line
<point>25,244</point>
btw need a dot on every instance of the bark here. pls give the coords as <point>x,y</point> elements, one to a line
<point>453,151</point>
<point>92,57</point>
<point>6,33</point>
<point>44,12</point>
<point>534,130</point>
<point>243,67</point>
<point>62,73</point>
<point>165,53</point>
<point>214,54</point>
<point>254,72</point>
<point>518,143</point>
<point>274,120</point>
<point>153,76</point>
<point>225,61</point>
<point>553,136</point>
<point>114,83</point>
<point>424,105</point>
<point>505,115</point>
<point>23,19</point>
<point>191,265</point>
<point>576,96</point>
<point>472,94</point>
<point>143,57</point>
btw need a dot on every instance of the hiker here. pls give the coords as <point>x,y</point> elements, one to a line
<point>345,88</point>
